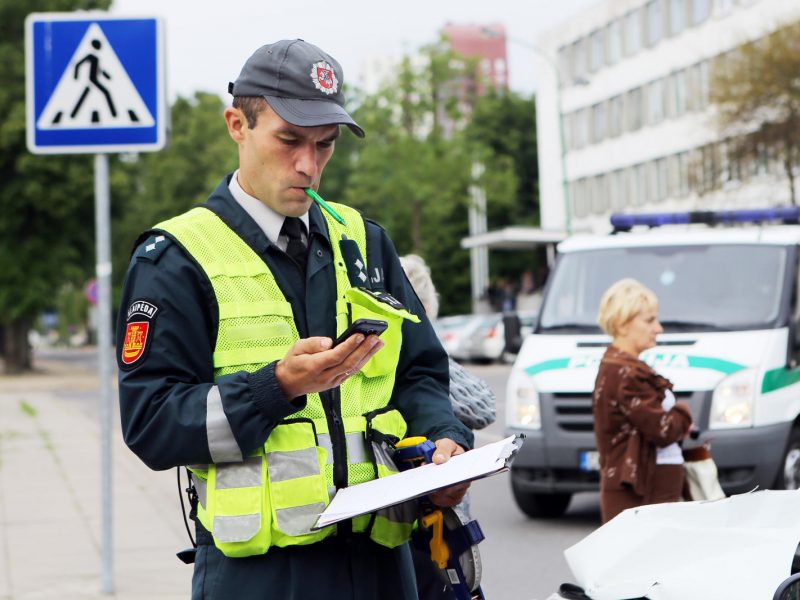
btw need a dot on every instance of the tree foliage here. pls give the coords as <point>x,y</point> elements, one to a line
<point>46,201</point>
<point>756,91</point>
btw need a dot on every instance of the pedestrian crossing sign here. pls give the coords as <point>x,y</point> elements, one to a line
<point>95,83</point>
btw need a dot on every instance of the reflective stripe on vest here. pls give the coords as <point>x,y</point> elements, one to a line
<point>294,469</point>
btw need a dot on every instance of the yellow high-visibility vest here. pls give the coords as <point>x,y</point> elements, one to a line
<point>273,497</point>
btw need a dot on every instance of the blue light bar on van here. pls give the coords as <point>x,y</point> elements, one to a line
<point>784,214</point>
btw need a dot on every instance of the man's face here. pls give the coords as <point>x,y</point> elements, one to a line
<point>277,160</point>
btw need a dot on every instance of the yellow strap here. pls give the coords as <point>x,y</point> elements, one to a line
<point>440,553</point>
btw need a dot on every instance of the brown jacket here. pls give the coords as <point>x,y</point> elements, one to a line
<point>629,422</point>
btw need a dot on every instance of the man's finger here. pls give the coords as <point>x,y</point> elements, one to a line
<point>312,345</point>
<point>445,448</point>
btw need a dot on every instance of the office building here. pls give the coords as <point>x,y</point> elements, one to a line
<point>623,115</point>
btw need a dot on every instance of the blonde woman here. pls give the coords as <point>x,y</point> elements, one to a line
<point>637,421</point>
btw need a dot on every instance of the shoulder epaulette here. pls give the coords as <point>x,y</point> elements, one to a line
<point>152,248</point>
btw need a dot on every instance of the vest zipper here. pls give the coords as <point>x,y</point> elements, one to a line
<point>338,439</point>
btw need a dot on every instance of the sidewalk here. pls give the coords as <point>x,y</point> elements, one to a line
<point>50,497</point>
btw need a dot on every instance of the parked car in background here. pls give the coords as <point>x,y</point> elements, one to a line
<point>454,332</point>
<point>489,341</point>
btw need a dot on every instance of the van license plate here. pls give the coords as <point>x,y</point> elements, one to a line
<point>590,460</point>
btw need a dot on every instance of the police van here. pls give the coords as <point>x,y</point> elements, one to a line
<point>727,284</point>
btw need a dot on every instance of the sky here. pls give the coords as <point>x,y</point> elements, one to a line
<point>208,41</point>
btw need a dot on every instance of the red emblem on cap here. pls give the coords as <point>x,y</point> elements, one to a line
<point>324,77</point>
<point>135,341</point>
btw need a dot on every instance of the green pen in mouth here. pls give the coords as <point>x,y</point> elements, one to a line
<point>324,205</point>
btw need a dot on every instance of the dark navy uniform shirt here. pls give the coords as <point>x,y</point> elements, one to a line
<point>167,332</point>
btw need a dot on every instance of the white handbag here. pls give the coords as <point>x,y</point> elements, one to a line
<point>700,470</point>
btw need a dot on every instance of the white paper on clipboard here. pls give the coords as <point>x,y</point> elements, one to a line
<point>379,493</point>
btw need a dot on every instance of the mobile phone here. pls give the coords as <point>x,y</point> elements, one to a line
<point>363,326</point>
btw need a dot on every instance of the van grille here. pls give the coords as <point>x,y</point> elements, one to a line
<point>572,411</point>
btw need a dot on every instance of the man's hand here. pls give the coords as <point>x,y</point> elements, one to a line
<point>450,496</point>
<point>311,365</point>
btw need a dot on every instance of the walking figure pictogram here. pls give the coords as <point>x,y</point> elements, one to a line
<point>94,72</point>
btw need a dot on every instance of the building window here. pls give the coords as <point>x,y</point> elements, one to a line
<point>633,109</point>
<point>598,123</point>
<point>654,22</point>
<point>615,116</point>
<point>661,179</point>
<point>581,128</point>
<point>734,161</point>
<point>580,199</point>
<point>616,193</point>
<point>614,42</point>
<point>579,53</point>
<point>701,9</point>
<point>633,32</point>
<point>683,174</point>
<point>705,83</point>
<point>677,16</point>
<point>655,102</point>
<point>599,195</point>
<point>598,54</point>
<point>641,185</point>
<point>631,194</point>
<point>697,86</point>
<point>569,127</point>
<point>565,64</point>
<point>681,93</point>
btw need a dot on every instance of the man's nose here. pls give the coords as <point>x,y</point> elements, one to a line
<point>306,160</point>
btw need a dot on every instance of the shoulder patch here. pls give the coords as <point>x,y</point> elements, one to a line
<point>140,320</point>
<point>152,248</point>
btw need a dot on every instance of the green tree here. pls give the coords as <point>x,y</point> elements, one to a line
<point>756,92</point>
<point>46,201</point>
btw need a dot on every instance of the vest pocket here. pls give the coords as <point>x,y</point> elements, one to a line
<point>297,485</point>
<point>237,502</point>
<point>363,305</point>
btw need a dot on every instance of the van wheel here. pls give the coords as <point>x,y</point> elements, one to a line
<point>789,476</point>
<point>540,506</point>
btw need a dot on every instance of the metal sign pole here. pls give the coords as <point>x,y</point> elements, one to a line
<point>102,215</point>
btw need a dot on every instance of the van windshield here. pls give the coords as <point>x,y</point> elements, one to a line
<point>720,287</point>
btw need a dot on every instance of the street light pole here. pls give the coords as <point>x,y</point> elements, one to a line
<point>561,133</point>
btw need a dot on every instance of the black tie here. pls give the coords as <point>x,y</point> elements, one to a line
<point>293,229</point>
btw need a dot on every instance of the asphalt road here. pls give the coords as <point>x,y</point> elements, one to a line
<point>522,557</point>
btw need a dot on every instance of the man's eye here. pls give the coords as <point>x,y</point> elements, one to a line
<point>288,141</point>
<point>325,144</point>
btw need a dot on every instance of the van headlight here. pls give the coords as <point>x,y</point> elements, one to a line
<point>732,401</point>
<point>522,403</point>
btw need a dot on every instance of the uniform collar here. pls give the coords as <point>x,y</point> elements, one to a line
<point>225,206</point>
<point>270,221</point>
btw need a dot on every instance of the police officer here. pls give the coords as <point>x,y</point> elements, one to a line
<point>227,363</point>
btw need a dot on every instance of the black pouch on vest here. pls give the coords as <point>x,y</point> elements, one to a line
<point>356,267</point>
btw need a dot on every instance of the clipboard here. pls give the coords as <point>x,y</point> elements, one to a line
<point>370,496</point>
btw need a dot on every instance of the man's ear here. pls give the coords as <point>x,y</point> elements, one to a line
<point>236,122</point>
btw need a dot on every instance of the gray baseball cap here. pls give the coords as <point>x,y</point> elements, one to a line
<point>299,81</point>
